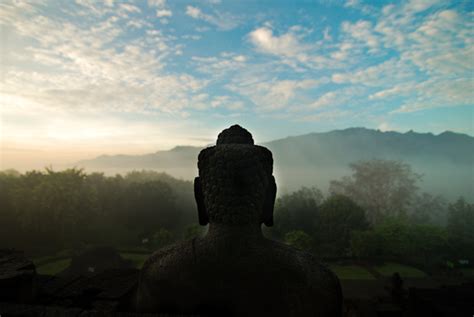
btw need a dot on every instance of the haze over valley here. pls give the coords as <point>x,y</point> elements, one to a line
<point>366,106</point>
<point>446,160</point>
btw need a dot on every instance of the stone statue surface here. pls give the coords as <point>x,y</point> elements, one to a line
<point>233,270</point>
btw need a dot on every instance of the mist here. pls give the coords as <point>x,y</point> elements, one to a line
<point>365,206</point>
<point>445,161</point>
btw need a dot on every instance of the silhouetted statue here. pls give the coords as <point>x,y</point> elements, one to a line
<point>397,291</point>
<point>234,270</point>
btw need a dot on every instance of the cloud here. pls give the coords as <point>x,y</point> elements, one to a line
<point>326,35</point>
<point>114,57</point>
<point>343,52</point>
<point>343,97</point>
<point>156,3</point>
<point>292,49</point>
<point>240,58</point>
<point>395,91</point>
<point>389,72</point>
<point>138,23</point>
<point>227,102</point>
<point>218,66</point>
<point>362,32</point>
<point>194,12</point>
<point>222,21</point>
<point>273,95</point>
<point>86,68</point>
<point>325,100</point>
<point>41,137</point>
<point>191,37</point>
<point>431,56</point>
<point>289,48</point>
<point>287,44</point>
<point>130,8</point>
<point>435,93</point>
<point>351,3</point>
<point>438,46</point>
<point>163,13</point>
<point>94,7</point>
<point>441,45</point>
<point>416,6</point>
<point>161,10</point>
<point>109,3</point>
<point>325,116</point>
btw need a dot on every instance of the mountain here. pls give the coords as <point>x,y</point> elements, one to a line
<point>180,162</point>
<point>446,161</point>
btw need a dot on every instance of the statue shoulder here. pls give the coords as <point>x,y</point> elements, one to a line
<point>325,285</point>
<point>321,282</point>
<point>314,269</point>
<point>159,281</point>
<point>169,258</point>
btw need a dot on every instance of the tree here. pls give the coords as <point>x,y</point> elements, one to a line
<point>366,244</point>
<point>182,194</point>
<point>194,231</point>
<point>461,228</point>
<point>430,209</point>
<point>339,217</point>
<point>9,220</point>
<point>45,211</point>
<point>383,188</point>
<point>56,207</point>
<point>297,211</point>
<point>162,238</point>
<point>399,238</point>
<point>299,239</point>
<point>150,205</point>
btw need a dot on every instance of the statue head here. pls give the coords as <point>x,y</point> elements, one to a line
<point>235,184</point>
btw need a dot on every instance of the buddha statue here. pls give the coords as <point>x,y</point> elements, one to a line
<point>234,270</point>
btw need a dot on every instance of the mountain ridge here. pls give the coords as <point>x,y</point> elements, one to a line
<point>184,147</point>
<point>446,159</point>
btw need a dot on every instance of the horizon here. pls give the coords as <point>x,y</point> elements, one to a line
<point>70,164</point>
<point>84,78</point>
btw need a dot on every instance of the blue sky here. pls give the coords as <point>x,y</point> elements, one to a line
<point>82,78</point>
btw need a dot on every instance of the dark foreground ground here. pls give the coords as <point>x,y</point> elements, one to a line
<point>368,290</point>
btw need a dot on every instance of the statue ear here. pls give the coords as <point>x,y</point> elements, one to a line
<point>269,203</point>
<point>199,196</point>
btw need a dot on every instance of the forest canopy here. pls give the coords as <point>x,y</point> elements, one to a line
<point>57,210</point>
<point>377,212</point>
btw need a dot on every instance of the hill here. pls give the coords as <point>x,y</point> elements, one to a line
<point>445,160</point>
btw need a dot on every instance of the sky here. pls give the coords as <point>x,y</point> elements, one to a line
<point>88,77</point>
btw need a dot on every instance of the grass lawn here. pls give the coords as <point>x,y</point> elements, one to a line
<point>53,267</point>
<point>468,273</point>
<point>351,272</point>
<point>405,271</point>
<point>39,261</point>
<point>137,259</point>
